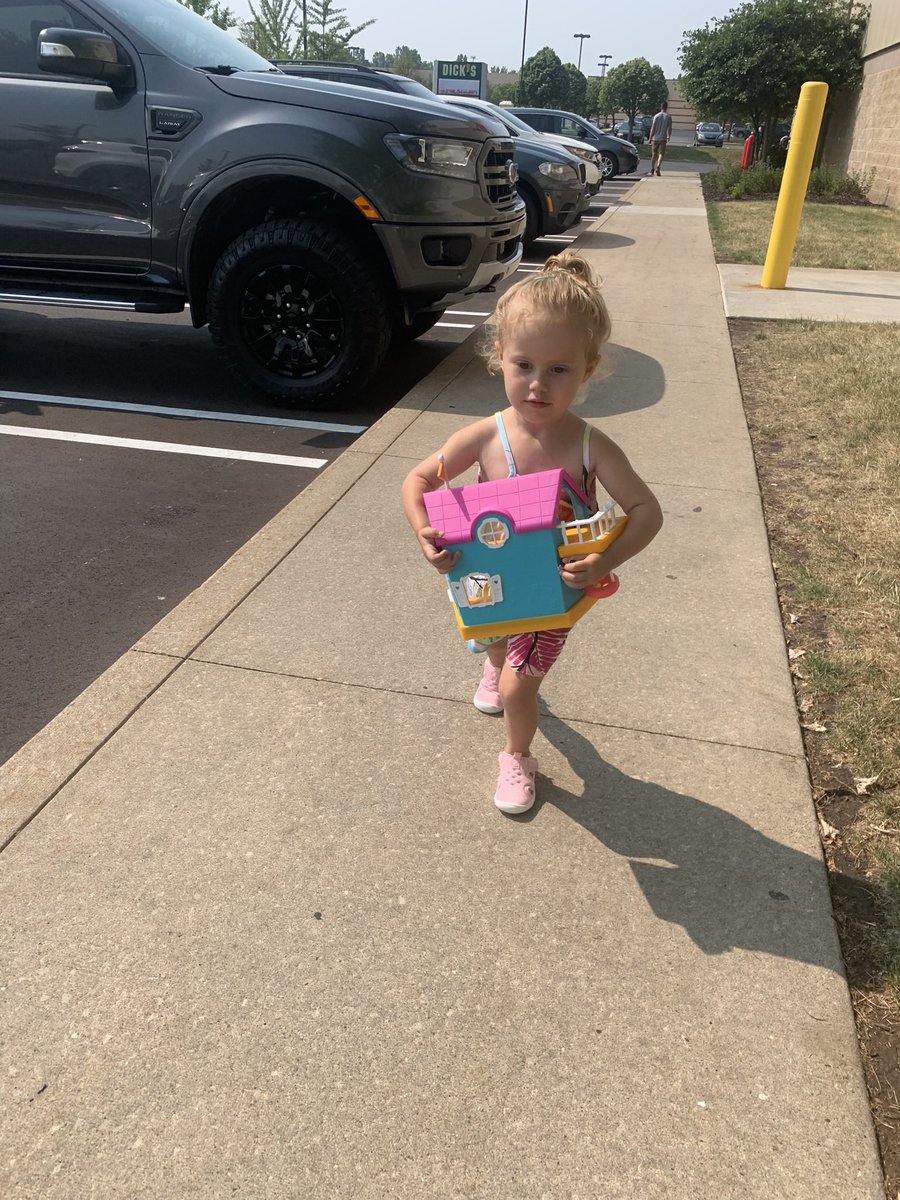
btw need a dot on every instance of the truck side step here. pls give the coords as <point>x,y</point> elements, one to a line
<point>143,304</point>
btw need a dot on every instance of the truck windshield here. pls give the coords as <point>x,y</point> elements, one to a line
<point>187,37</point>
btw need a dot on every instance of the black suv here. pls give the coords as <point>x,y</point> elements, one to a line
<point>149,160</point>
<point>358,73</point>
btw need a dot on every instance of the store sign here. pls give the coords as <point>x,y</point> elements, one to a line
<point>460,79</point>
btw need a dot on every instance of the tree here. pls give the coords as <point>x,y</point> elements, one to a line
<point>576,93</point>
<point>592,95</point>
<point>213,11</point>
<point>380,59</point>
<point>504,91</point>
<point>273,28</point>
<point>544,83</point>
<point>406,61</point>
<point>754,61</point>
<point>634,86</point>
<point>328,33</point>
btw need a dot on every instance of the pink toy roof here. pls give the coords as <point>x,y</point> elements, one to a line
<point>528,501</point>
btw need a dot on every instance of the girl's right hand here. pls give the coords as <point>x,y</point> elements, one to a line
<point>442,560</point>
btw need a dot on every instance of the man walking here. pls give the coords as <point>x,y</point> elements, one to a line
<point>660,132</point>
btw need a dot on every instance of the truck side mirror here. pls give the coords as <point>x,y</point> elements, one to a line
<point>83,52</point>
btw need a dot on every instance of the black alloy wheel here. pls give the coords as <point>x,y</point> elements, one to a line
<point>299,310</point>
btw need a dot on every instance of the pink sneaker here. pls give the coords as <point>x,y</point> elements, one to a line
<point>515,786</point>
<point>487,698</point>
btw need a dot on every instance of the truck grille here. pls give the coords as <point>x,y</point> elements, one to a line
<point>495,181</point>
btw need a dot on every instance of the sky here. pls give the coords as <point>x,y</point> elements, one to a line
<point>492,32</point>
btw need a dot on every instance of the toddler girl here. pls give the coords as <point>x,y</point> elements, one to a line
<point>545,337</point>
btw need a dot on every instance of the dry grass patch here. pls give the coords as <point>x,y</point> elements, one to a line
<point>852,237</point>
<point>823,406</point>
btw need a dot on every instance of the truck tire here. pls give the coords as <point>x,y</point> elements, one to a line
<point>533,224</point>
<point>299,311</point>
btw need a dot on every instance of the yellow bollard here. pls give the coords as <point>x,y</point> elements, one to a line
<point>788,210</point>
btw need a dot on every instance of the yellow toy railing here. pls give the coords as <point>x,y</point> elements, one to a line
<point>592,535</point>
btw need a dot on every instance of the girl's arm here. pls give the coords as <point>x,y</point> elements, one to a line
<point>625,486</point>
<point>460,452</point>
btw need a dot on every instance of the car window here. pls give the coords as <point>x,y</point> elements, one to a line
<point>190,39</point>
<point>540,121</point>
<point>20,25</point>
<point>572,128</point>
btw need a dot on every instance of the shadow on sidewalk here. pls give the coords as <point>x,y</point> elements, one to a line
<point>599,239</point>
<point>699,867</point>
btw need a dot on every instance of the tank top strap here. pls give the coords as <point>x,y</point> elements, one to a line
<point>588,480</point>
<point>504,440</point>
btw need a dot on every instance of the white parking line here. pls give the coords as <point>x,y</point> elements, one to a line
<point>560,237</point>
<point>459,313</point>
<point>195,413</point>
<point>453,325</point>
<point>92,439</point>
<point>528,270</point>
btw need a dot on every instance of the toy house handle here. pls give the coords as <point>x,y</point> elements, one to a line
<point>607,586</point>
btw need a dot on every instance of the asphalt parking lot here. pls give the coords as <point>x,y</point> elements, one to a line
<point>133,464</point>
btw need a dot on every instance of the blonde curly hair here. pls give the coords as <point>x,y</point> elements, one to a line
<point>565,289</point>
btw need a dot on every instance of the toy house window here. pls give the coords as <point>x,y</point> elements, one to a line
<point>477,590</point>
<point>492,532</point>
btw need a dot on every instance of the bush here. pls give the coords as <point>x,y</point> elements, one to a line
<point>762,179</point>
<point>758,180</point>
<point>829,180</point>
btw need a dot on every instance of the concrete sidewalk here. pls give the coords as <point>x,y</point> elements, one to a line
<point>268,937</point>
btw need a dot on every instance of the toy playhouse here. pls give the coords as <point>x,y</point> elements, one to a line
<point>512,534</point>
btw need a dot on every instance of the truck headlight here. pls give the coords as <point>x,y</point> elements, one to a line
<point>434,156</point>
<point>559,171</point>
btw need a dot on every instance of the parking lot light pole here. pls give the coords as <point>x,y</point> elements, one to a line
<point>581,37</point>
<point>602,61</point>
<point>522,68</point>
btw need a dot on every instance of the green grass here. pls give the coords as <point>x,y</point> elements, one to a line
<point>697,154</point>
<point>853,237</point>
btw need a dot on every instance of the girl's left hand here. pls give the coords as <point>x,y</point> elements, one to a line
<point>583,572</point>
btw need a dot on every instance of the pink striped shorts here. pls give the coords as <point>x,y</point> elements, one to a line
<point>535,653</point>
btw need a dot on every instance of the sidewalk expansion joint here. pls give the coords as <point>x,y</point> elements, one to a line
<point>551,716</point>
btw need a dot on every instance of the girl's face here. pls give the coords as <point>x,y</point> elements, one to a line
<point>544,363</point>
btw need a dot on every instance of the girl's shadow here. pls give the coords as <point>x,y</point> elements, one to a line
<point>698,866</point>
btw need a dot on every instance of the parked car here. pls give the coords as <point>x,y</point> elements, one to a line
<point>516,127</point>
<point>709,133</point>
<point>617,156</point>
<point>307,222</point>
<point>550,180</point>
<point>739,131</point>
<point>631,133</point>
<point>358,73</point>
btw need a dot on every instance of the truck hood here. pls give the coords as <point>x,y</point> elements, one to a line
<point>407,114</point>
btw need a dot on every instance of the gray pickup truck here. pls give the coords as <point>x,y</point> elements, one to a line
<point>149,160</point>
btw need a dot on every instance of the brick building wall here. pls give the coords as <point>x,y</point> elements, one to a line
<point>876,135</point>
<point>862,133</point>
